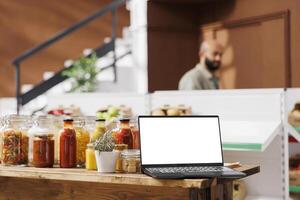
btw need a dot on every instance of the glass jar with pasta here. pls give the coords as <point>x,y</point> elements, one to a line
<point>15,141</point>
<point>82,139</point>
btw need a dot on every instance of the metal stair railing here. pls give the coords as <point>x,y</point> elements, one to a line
<point>22,99</point>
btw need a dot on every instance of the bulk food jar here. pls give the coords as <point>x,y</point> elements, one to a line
<point>123,134</point>
<point>67,145</point>
<point>42,142</point>
<point>135,133</point>
<point>57,126</point>
<point>131,161</point>
<point>99,131</point>
<point>15,141</point>
<point>82,139</point>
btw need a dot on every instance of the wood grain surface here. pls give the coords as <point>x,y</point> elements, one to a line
<point>31,189</point>
<point>78,184</point>
<point>84,175</point>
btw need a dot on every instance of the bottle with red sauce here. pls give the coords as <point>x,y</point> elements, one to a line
<point>123,134</point>
<point>67,144</point>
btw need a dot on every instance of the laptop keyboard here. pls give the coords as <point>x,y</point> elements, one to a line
<point>185,169</point>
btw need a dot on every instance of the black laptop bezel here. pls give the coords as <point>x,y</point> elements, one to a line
<point>182,164</point>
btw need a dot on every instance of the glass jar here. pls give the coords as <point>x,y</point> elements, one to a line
<point>43,150</point>
<point>118,149</point>
<point>131,162</point>
<point>123,134</point>
<point>90,162</point>
<point>57,126</point>
<point>67,145</point>
<point>90,124</point>
<point>99,131</point>
<point>82,139</point>
<point>135,133</point>
<point>15,141</point>
<point>42,125</point>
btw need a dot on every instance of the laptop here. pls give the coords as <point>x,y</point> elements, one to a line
<point>174,147</point>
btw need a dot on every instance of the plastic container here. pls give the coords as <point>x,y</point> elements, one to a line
<point>131,161</point>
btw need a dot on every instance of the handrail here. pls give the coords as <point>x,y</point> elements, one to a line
<point>110,7</point>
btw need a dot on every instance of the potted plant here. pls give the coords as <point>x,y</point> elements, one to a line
<point>83,74</point>
<point>105,156</point>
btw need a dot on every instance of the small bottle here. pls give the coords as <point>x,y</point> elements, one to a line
<point>124,135</point>
<point>67,143</point>
<point>135,134</point>
<point>90,163</point>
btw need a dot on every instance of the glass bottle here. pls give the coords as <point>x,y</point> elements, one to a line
<point>82,139</point>
<point>90,163</point>
<point>123,134</point>
<point>67,144</point>
<point>15,141</point>
<point>99,131</point>
<point>135,133</point>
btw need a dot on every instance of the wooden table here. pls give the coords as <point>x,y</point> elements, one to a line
<point>55,183</point>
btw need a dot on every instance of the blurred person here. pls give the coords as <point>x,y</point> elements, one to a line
<point>204,75</point>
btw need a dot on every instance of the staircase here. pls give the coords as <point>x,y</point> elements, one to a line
<point>110,53</point>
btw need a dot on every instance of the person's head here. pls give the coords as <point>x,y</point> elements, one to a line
<point>210,54</point>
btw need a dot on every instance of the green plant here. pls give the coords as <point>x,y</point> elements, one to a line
<point>106,142</point>
<point>83,73</point>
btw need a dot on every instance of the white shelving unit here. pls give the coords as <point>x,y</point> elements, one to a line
<point>252,132</point>
<point>292,96</point>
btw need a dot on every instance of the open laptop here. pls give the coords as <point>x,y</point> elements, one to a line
<point>183,147</point>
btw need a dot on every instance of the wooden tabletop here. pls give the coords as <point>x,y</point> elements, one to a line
<point>94,176</point>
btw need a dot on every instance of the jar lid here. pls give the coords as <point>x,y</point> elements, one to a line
<point>100,120</point>
<point>90,145</point>
<point>41,134</point>
<point>121,147</point>
<point>124,120</point>
<point>131,153</point>
<point>68,120</point>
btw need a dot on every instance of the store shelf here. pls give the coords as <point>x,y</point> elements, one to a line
<point>248,136</point>
<point>294,188</point>
<point>293,131</point>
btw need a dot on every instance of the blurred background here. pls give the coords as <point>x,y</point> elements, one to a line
<point>260,38</point>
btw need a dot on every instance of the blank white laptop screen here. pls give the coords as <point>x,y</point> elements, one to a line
<point>180,140</point>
